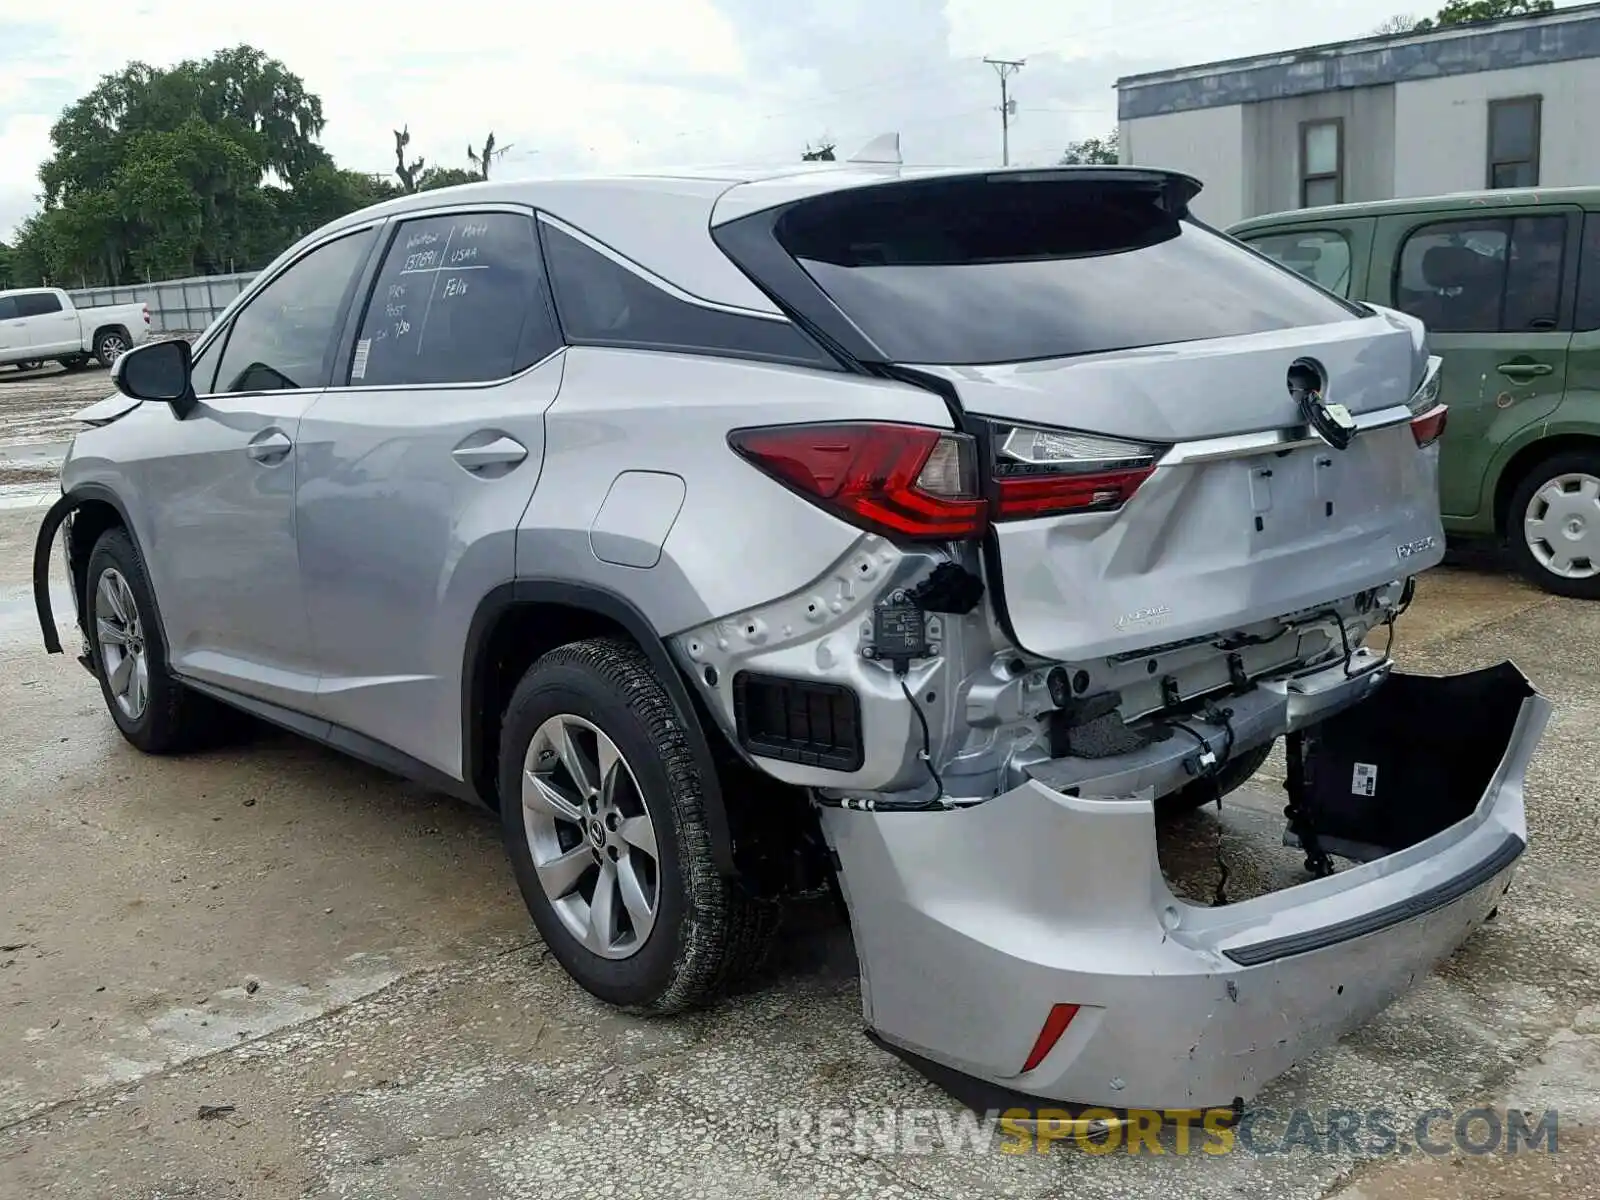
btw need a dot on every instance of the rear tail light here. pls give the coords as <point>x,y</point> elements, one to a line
<point>1046,472</point>
<point>146,314</point>
<point>1428,416</point>
<point>903,481</point>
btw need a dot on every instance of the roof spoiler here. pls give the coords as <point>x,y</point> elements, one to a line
<point>1174,189</point>
<point>882,150</point>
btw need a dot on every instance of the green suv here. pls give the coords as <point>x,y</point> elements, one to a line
<point>1508,283</point>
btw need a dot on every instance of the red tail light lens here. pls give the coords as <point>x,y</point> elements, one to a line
<point>1054,1026</point>
<point>1048,472</point>
<point>1428,428</point>
<point>903,481</point>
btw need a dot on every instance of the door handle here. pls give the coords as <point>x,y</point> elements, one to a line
<point>269,447</point>
<point>1516,370</point>
<point>502,452</point>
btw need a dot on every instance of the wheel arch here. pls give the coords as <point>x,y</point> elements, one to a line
<point>1525,459</point>
<point>518,622</point>
<point>91,508</point>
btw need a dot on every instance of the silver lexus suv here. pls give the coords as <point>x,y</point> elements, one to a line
<point>920,535</point>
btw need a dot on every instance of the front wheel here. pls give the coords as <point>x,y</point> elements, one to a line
<point>1553,524</point>
<point>604,817</point>
<point>151,709</point>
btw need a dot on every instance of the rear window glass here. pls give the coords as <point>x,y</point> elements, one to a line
<point>1003,269</point>
<point>1321,255</point>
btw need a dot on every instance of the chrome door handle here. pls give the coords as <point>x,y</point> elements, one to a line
<point>269,447</point>
<point>502,452</point>
<point>1516,370</point>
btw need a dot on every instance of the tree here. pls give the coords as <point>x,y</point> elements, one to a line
<point>408,173</point>
<point>1091,150</point>
<point>822,152</point>
<point>210,165</point>
<point>5,266</point>
<point>1399,23</point>
<point>1464,12</point>
<point>480,159</point>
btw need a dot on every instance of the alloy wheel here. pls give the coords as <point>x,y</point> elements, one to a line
<point>113,347</point>
<point>591,837</point>
<point>1562,526</point>
<point>119,633</point>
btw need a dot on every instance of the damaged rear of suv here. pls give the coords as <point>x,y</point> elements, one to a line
<point>1178,491</point>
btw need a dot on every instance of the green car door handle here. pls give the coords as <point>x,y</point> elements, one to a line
<point>1524,370</point>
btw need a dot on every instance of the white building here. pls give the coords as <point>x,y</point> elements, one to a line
<point>1514,102</point>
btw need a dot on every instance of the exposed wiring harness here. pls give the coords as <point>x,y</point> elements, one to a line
<point>939,803</point>
<point>1208,768</point>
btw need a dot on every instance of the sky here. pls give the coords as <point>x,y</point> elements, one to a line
<point>625,84</point>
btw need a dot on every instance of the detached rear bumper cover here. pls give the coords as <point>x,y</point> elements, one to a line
<point>971,924</point>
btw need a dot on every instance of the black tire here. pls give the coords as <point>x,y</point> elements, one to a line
<point>707,933</point>
<point>76,363</point>
<point>1235,773</point>
<point>32,364</point>
<point>1570,462</point>
<point>173,718</point>
<point>109,345</point>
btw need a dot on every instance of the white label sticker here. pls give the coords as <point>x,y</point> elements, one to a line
<point>1364,782</point>
<point>358,369</point>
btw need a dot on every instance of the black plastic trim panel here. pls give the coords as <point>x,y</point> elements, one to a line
<point>1439,895</point>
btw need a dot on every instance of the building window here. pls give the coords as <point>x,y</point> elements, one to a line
<point>1514,142</point>
<point>1321,163</point>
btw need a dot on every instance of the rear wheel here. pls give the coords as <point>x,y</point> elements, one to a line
<point>31,364</point>
<point>110,345</point>
<point>1235,773</point>
<point>605,823</point>
<point>151,709</point>
<point>1553,524</point>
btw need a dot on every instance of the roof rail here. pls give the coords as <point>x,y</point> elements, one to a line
<point>885,148</point>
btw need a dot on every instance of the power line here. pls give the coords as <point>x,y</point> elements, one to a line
<point>1006,68</point>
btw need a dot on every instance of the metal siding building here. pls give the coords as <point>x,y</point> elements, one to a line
<point>1382,117</point>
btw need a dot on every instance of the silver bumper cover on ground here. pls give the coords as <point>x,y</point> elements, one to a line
<point>971,924</point>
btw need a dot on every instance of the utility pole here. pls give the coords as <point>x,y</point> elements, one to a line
<point>1006,68</point>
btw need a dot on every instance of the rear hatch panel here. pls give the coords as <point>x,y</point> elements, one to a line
<point>1088,303</point>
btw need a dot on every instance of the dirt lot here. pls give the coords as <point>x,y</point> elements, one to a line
<point>338,962</point>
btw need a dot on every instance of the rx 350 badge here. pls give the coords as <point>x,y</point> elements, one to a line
<point>1411,549</point>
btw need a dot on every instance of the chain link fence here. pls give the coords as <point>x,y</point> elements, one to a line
<point>176,305</point>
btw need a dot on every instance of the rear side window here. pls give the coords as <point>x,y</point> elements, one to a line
<point>1321,255</point>
<point>459,299</point>
<point>604,303</point>
<point>38,304</point>
<point>1484,274</point>
<point>8,308</point>
<point>1006,269</point>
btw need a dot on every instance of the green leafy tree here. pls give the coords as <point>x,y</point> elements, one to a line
<point>211,165</point>
<point>1464,12</point>
<point>1091,150</point>
<point>5,266</point>
<point>441,177</point>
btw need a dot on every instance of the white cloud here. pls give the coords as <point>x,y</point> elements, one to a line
<point>614,83</point>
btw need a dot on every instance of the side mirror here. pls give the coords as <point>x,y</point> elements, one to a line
<point>160,371</point>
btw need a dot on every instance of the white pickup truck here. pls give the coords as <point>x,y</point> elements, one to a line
<point>38,324</point>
